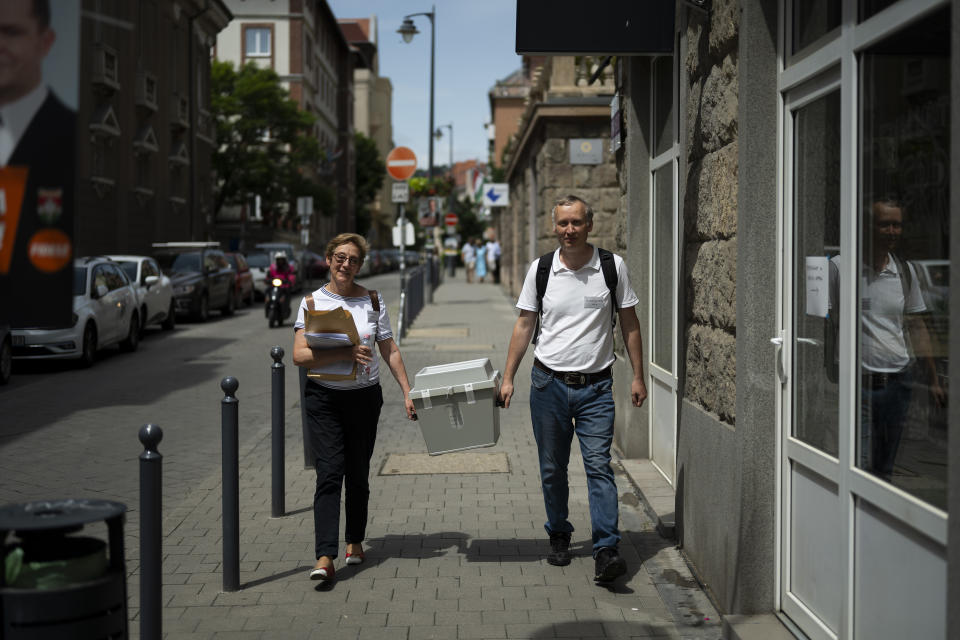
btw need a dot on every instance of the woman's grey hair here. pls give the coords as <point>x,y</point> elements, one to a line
<point>568,200</point>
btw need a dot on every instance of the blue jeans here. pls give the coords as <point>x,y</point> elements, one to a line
<point>882,413</point>
<point>557,412</point>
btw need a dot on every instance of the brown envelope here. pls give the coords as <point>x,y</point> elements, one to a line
<point>333,321</point>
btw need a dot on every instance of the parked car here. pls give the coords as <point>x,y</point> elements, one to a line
<point>293,258</point>
<point>934,284</point>
<point>259,263</point>
<point>391,259</point>
<point>6,354</point>
<point>202,278</point>
<point>154,290</point>
<point>244,281</point>
<point>105,312</point>
<point>315,265</point>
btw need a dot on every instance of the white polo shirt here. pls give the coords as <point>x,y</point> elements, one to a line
<point>576,333</point>
<point>883,340</point>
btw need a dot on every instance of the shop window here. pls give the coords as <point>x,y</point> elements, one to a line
<point>904,225</point>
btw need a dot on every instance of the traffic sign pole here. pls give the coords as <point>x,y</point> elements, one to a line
<point>401,165</point>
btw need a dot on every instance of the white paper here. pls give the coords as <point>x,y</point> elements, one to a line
<point>818,286</point>
<point>327,340</point>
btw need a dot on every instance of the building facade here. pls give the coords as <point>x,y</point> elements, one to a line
<point>302,42</point>
<point>372,114</point>
<point>784,184</point>
<point>147,136</point>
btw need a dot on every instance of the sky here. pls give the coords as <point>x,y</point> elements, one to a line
<point>475,43</point>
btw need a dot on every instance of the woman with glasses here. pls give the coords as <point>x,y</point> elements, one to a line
<point>342,410</point>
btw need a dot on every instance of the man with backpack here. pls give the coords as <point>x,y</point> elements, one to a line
<point>894,346</point>
<point>570,301</point>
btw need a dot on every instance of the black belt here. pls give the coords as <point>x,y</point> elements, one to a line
<point>574,377</point>
<point>880,379</point>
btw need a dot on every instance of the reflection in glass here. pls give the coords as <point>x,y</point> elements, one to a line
<point>816,237</point>
<point>662,104</point>
<point>905,229</point>
<point>813,19</point>
<point>870,7</point>
<point>663,304</point>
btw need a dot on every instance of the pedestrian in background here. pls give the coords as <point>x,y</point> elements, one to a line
<point>342,415</point>
<point>469,255</point>
<point>493,258</point>
<point>571,383</point>
<point>481,257</point>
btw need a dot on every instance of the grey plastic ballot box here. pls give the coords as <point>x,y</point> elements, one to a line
<point>456,405</point>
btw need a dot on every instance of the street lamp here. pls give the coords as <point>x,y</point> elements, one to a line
<point>439,134</point>
<point>408,30</point>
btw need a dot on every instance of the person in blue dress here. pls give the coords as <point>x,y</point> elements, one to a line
<point>481,260</point>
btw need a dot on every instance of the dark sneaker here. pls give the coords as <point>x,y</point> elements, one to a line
<point>609,565</point>
<point>559,549</point>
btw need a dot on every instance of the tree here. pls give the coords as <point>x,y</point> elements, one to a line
<point>265,142</point>
<point>370,171</point>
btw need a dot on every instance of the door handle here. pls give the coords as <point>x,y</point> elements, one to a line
<point>781,370</point>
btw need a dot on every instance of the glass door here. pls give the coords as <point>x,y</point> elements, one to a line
<point>664,281</point>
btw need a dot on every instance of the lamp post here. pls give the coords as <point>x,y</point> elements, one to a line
<point>408,30</point>
<point>439,135</point>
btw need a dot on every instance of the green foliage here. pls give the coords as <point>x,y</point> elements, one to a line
<point>265,142</point>
<point>439,186</point>
<point>468,224</point>
<point>498,173</point>
<point>370,172</point>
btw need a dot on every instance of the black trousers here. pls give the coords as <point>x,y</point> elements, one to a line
<point>343,430</point>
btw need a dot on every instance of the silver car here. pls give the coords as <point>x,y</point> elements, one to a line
<point>105,312</point>
<point>154,290</point>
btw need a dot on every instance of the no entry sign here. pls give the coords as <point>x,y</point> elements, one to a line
<point>401,163</point>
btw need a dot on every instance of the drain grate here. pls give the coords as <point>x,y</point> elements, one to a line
<point>400,464</point>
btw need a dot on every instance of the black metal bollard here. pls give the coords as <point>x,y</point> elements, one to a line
<point>230,445</point>
<point>151,556</point>
<point>278,454</point>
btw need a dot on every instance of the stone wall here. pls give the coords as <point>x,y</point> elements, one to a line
<point>710,208</point>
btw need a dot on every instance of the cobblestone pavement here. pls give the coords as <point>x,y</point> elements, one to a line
<point>449,555</point>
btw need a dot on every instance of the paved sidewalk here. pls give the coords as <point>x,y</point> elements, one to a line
<point>449,555</point>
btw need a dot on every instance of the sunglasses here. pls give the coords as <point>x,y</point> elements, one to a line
<point>342,257</point>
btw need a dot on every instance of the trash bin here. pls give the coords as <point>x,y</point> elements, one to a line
<point>57,585</point>
<point>456,405</point>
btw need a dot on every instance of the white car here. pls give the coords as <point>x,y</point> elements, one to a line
<point>154,290</point>
<point>105,312</point>
<point>259,263</point>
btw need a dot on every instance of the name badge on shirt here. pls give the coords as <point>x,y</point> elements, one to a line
<point>593,302</point>
<point>372,317</point>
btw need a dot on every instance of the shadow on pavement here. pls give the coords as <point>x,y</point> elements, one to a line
<point>29,406</point>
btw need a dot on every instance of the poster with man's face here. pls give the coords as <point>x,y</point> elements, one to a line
<point>39,70</point>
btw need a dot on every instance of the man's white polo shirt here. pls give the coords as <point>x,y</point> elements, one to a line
<point>575,334</point>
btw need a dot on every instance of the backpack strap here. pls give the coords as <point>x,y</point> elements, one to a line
<point>310,302</point>
<point>374,300</point>
<point>609,268</point>
<point>543,274</point>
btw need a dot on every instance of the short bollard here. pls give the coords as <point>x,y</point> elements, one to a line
<point>230,445</point>
<point>277,374</point>
<point>151,555</point>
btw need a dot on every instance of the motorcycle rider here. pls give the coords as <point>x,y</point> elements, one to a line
<point>281,269</point>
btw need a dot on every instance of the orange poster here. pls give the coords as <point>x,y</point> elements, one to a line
<point>13,181</point>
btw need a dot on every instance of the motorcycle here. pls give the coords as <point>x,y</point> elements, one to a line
<point>277,307</point>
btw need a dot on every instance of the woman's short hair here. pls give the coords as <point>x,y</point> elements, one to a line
<point>355,239</point>
<point>568,200</point>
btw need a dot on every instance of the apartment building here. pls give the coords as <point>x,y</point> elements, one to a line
<point>145,132</point>
<point>301,41</point>
<point>372,113</point>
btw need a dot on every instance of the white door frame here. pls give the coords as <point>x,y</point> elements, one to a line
<point>834,65</point>
<point>670,157</point>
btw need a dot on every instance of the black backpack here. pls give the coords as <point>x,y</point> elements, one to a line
<point>609,269</point>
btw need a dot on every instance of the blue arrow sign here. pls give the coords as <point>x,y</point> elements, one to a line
<point>493,195</point>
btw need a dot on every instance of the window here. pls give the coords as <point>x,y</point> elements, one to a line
<point>258,42</point>
<point>905,229</point>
